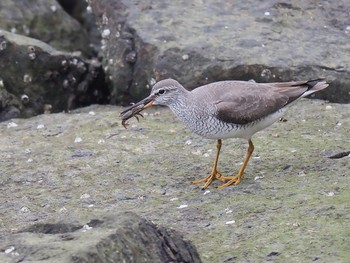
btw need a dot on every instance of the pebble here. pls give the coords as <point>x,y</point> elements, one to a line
<point>258,177</point>
<point>188,142</point>
<point>197,152</point>
<point>78,139</point>
<point>9,250</point>
<point>11,125</point>
<point>86,228</point>
<point>63,210</point>
<point>25,209</point>
<point>85,196</point>
<point>105,33</point>
<point>53,8</point>
<point>185,57</point>
<point>89,9</point>
<point>301,174</point>
<point>228,211</point>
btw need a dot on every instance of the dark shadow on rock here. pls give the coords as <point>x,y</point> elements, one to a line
<point>52,229</point>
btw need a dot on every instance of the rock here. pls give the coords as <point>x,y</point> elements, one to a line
<point>125,237</point>
<point>79,10</point>
<point>36,78</point>
<point>290,192</point>
<point>198,43</point>
<point>45,21</point>
<point>75,8</point>
<point>125,54</point>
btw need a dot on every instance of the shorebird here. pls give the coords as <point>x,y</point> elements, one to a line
<point>226,109</point>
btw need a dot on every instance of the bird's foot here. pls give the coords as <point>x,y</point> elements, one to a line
<point>231,180</point>
<point>210,178</point>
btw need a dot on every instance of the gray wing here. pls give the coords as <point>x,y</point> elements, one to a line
<point>244,102</point>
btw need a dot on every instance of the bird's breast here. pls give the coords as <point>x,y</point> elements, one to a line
<point>201,120</point>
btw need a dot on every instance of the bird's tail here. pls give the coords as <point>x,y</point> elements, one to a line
<point>314,86</point>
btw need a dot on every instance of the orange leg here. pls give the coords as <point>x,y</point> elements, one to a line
<point>237,179</point>
<point>215,174</point>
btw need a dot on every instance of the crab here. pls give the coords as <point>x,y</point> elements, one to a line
<point>132,111</point>
<point>135,110</point>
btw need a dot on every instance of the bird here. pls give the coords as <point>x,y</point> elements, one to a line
<point>226,109</point>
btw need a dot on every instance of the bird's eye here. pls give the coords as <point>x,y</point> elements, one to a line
<point>161,91</point>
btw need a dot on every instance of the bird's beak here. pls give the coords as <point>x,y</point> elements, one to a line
<point>135,109</point>
<point>141,105</point>
<point>148,104</point>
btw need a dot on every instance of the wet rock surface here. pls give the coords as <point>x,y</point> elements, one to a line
<point>84,166</point>
<point>198,43</point>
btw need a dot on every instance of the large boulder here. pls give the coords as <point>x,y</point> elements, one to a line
<point>46,21</point>
<point>36,78</point>
<point>125,237</point>
<point>197,43</point>
<point>141,42</point>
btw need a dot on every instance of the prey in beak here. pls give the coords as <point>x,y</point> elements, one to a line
<point>135,110</point>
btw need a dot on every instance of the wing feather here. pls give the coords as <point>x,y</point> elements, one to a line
<point>244,102</point>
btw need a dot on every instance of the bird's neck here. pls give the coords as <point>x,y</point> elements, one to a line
<point>181,102</point>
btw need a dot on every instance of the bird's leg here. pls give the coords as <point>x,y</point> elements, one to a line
<point>215,174</point>
<point>237,179</point>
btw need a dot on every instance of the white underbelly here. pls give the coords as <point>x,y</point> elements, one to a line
<point>242,131</point>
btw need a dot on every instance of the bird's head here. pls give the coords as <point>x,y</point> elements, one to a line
<point>164,92</point>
